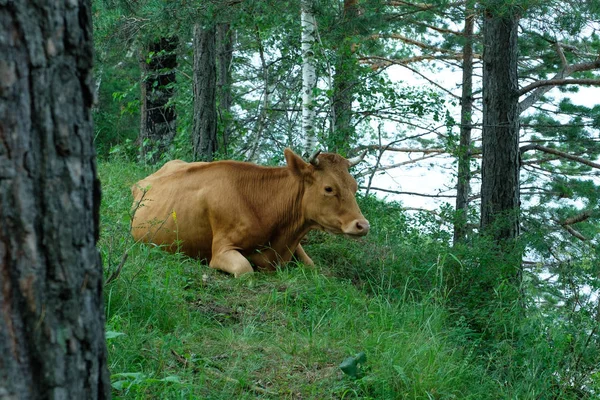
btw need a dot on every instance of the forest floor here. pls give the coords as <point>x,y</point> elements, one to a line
<point>177,329</point>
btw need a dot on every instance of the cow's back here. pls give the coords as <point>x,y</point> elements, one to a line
<point>168,207</point>
<point>167,169</point>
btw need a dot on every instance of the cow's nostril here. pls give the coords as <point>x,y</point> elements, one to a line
<point>362,226</point>
<point>358,227</point>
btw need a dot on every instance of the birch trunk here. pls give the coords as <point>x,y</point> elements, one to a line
<point>309,76</point>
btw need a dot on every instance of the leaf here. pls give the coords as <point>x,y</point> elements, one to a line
<point>361,357</point>
<point>131,375</point>
<point>350,366</point>
<point>120,385</point>
<point>171,378</point>
<point>113,334</point>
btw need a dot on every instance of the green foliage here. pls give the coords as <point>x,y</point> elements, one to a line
<point>283,333</point>
<point>435,321</point>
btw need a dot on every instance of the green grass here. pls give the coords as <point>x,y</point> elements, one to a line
<point>180,330</point>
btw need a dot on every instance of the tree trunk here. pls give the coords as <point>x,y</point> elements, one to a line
<point>204,131</point>
<point>309,76</point>
<point>463,186</point>
<point>158,117</point>
<point>344,82</point>
<point>500,141</point>
<point>52,342</point>
<point>225,56</point>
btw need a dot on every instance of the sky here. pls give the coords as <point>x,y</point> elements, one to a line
<point>436,175</point>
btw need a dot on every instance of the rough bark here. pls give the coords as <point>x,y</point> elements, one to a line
<point>224,58</point>
<point>52,341</point>
<point>500,140</point>
<point>344,82</point>
<point>158,118</point>
<point>463,186</point>
<point>204,131</point>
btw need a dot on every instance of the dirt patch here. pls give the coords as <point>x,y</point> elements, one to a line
<point>222,314</point>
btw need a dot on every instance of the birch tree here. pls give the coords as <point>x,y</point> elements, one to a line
<point>309,76</point>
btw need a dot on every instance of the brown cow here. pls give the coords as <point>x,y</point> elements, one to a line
<point>230,212</point>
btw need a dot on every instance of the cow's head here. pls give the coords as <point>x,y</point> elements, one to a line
<point>329,196</point>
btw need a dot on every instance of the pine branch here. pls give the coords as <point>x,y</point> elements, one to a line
<point>558,82</point>
<point>575,233</point>
<point>577,218</point>
<point>400,164</point>
<point>400,149</point>
<point>385,62</point>
<point>432,212</point>
<point>409,193</point>
<point>422,6</point>
<point>437,29</point>
<point>408,40</point>
<point>566,224</point>
<point>559,153</point>
<point>419,6</point>
<point>540,88</point>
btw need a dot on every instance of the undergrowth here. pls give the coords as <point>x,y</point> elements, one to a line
<point>179,330</point>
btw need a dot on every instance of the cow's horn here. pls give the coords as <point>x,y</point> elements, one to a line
<point>355,160</point>
<point>313,158</point>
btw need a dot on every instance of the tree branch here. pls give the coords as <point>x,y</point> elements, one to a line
<point>392,166</point>
<point>559,153</point>
<point>542,87</point>
<point>575,233</point>
<point>558,82</point>
<point>409,193</point>
<point>436,28</point>
<point>405,39</point>
<point>577,218</point>
<point>399,149</point>
<point>384,62</point>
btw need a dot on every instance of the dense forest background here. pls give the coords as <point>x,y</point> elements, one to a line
<point>507,266</point>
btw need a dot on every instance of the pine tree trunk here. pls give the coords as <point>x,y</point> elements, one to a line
<point>52,342</point>
<point>500,141</point>
<point>158,118</point>
<point>344,83</point>
<point>225,56</point>
<point>463,186</point>
<point>204,131</point>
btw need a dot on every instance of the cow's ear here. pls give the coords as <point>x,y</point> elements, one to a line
<point>295,163</point>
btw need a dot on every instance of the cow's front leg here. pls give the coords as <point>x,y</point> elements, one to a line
<point>303,257</point>
<point>231,261</point>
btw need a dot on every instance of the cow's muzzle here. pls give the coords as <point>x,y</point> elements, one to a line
<point>358,227</point>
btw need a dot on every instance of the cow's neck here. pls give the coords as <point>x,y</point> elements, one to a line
<point>279,194</point>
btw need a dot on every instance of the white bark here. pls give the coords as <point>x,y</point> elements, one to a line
<point>309,76</point>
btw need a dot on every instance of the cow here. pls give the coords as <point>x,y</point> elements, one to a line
<point>238,214</point>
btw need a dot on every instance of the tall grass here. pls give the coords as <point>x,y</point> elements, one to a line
<point>180,330</point>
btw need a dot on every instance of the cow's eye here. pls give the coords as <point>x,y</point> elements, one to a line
<point>328,189</point>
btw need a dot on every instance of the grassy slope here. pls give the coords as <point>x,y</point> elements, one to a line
<point>178,329</point>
